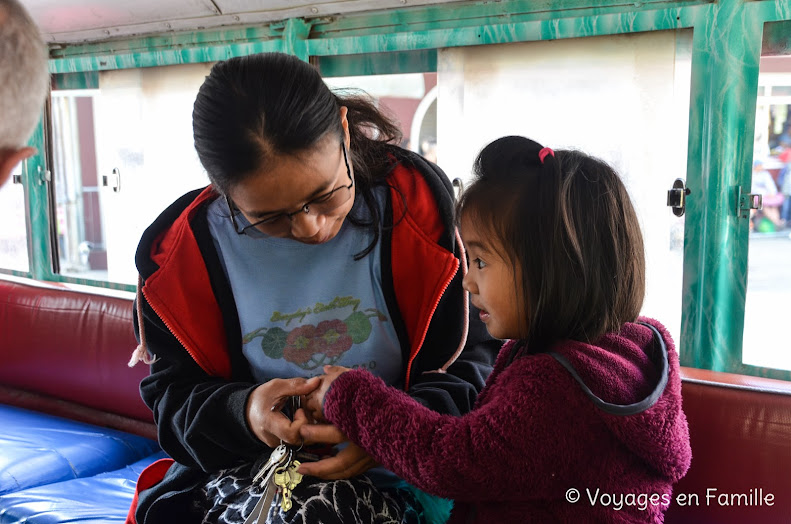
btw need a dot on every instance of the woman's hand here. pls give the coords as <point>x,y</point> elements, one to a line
<point>349,462</point>
<point>263,410</point>
<point>314,401</point>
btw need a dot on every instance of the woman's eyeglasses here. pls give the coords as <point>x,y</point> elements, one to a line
<point>321,205</point>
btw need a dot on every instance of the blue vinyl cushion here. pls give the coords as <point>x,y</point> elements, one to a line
<point>104,498</point>
<point>37,449</point>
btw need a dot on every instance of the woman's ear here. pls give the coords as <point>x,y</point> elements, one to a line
<point>345,125</point>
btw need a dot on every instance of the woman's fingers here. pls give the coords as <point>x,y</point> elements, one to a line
<point>301,386</point>
<point>349,462</point>
<point>302,416</point>
<point>283,389</point>
<point>321,434</point>
<point>263,410</point>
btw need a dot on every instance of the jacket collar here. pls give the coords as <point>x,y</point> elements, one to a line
<point>179,289</point>
<point>177,283</point>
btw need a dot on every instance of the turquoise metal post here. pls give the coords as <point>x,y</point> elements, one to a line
<point>725,63</point>
<point>36,191</point>
<point>295,35</point>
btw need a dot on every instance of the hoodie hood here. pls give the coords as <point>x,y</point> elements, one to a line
<point>632,378</point>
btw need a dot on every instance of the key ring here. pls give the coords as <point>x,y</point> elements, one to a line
<point>295,401</point>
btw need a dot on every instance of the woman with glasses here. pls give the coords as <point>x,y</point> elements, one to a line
<point>317,242</point>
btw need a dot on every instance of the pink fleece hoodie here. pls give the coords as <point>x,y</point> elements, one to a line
<point>537,448</point>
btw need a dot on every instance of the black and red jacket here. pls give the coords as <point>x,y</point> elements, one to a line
<point>200,382</point>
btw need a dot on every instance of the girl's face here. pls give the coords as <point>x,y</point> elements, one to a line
<point>315,177</point>
<point>492,284</point>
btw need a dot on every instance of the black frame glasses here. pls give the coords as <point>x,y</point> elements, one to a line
<point>306,208</point>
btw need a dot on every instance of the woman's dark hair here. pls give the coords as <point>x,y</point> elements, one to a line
<point>568,227</point>
<point>253,108</point>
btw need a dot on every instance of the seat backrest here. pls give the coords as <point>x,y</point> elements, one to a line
<point>740,431</point>
<point>65,352</point>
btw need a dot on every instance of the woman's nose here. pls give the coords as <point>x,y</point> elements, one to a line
<point>305,225</point>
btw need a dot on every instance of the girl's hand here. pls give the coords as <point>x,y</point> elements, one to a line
<point>351,460</point>
<point>263,410</point>
<point>314,401</point>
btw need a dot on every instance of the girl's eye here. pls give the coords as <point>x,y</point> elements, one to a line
<point>478,263</point>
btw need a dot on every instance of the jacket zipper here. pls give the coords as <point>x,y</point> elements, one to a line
<point>170,328</point>
<point>431,316</point>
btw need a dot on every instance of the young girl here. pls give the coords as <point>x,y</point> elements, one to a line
<point>581,420</point>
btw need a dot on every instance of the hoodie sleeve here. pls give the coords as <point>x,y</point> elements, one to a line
<point>453,457</point>
<point>200,419</point>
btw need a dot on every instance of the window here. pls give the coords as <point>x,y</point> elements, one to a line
<point>122,152</point>
<point>13,232</point>
<point>411,99</point>
<point>622,98</point>
<point>768,277</point>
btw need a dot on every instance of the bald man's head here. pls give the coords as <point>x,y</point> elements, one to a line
<point>24,83</point>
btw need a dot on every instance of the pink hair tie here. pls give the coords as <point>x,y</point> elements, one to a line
<point>544,152</point>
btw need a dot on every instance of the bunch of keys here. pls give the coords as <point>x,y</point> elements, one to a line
<point>287,478</point>
<point>278,477</point>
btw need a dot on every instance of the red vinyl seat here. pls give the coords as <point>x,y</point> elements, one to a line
<point>64,352</point>
<point>740,430</point>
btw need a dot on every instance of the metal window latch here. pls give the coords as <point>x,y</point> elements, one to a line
<point>746,202</point>
<point>677,197</point>
<point>17,178</point>
<point>116,180</point>
<point>44,176</point>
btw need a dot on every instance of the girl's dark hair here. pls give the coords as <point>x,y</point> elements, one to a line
<point>253,108</point>
<point>568,227</point>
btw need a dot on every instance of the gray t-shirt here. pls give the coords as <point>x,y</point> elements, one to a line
<point>302,306</point>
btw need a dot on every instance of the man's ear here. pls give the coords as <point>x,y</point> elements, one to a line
<point>9,158</point>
